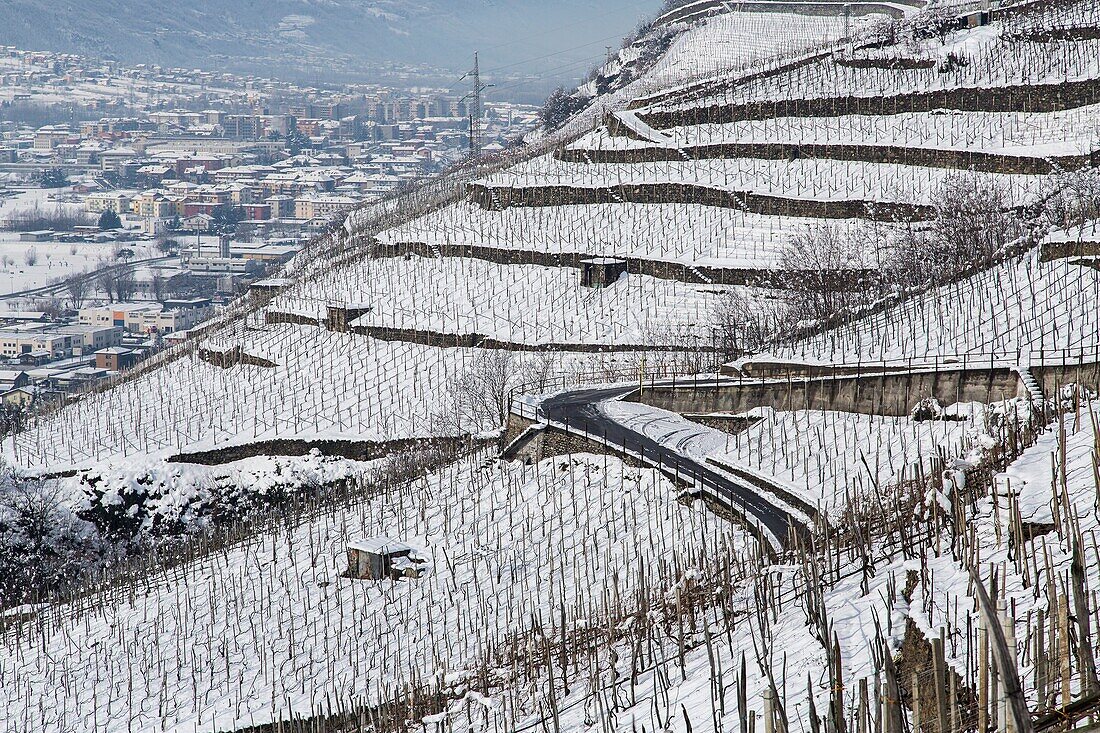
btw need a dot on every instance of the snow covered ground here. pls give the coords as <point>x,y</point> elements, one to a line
<point>985,59</point>
<point>734,40</point>
<point>56,261</point>
<point>1017,308</point>
<point>1037,134</point>
<point>269,628</point>
<point>684,233</point>
<point>52,260</point>
<point>324,385</point>
<point>821,457</point>
<point>526,304</point>
<point>814,179</point>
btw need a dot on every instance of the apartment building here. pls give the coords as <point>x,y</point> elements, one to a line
<point>146,317</point>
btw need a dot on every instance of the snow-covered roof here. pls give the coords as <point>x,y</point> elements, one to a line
<point>380,546</point>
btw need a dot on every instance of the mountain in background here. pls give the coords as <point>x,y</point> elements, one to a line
<point>328,39</point>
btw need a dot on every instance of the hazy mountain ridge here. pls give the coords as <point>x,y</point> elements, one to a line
<point>289,35</point>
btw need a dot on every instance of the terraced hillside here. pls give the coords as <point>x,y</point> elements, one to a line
<point>902,219</point>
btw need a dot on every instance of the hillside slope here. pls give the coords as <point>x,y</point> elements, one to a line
<point>928,193</point>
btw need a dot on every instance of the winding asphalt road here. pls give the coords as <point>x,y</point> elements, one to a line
<point>580,410</point>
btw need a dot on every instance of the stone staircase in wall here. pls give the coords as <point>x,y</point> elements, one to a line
<point>1027,379</point>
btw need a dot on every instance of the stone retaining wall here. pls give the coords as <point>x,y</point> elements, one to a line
<point>478,341</point>
<point>232,357</point>
<point>1017,98</point>
<point>297,319</point>
<point>892,154</point>
<point>1050,251</point>
<point>662,269</point>
<point>356,450</point>
<point>494,198</point>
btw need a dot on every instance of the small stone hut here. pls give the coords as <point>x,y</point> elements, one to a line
<point>599,272</point>
<point>341,316</point>
<point>383,558</point>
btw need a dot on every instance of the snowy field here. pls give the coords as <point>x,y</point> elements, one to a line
<point>269,628</point>
<point>820,179</point>
<point>52,260</point>
<point>987,60</point>
<point>684,233</point>
<point>734,40</point>
<point>324,385</point>
<point>526,304</point>
<point>56,261</point>
<point>1017,308</point>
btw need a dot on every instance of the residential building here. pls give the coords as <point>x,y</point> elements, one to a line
<point>145,317</point>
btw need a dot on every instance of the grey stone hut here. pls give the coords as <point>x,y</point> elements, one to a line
<point>383,558</point>
<point>599,272</point>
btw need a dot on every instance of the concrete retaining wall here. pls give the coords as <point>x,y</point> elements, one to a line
<point>1052,377</point>
<point>887,394</point>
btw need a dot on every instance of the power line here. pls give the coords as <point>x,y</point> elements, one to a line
<point>551,55</point>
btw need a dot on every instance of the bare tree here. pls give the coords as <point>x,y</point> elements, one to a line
<point>30,256</point>
<point>744,326</point>
<point>479,397</point>
<point>77,288</point>
<point>105,281</point>
<point>540,369</point>
<point>157,284</point>
<point>125,283</point>
<point>1073,198</point>
<point>820,268</point>
<point>974,223</point>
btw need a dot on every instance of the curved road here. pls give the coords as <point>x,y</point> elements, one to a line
<point>580,410</point>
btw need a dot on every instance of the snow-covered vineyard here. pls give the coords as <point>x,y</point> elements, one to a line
<point>759,393</point>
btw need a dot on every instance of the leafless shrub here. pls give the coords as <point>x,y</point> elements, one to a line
<point>1073,198</point>
<point>881,31</point>
<point>974,223</point>
<point>743,326</point>
<point>819,267</point>
<point>935,20</point>
<point>42,545</point>
<point>540,369</point>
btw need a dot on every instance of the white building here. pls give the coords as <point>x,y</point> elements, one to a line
<point>145,317</point>
<point>52,342</point>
